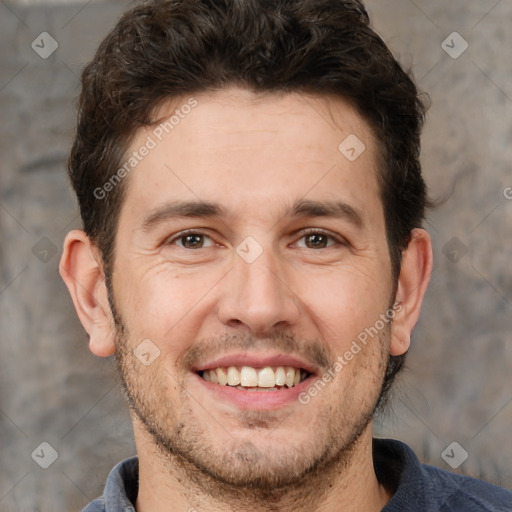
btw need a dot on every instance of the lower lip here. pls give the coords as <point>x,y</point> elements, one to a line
<point>261,400</point>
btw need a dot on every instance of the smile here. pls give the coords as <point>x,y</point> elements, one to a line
<point>256,379</point>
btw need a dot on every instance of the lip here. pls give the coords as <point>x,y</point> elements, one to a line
<point>255,400</point>
<point>255,360</point>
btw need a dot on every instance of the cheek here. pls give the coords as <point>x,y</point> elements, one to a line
<point>344,302</point>
<point>158,305</point>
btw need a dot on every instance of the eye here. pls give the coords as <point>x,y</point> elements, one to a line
<point>316,239</point>
<point>191,240</point>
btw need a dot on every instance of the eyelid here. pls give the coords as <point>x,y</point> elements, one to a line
<point>173,238</point>
<point>303,232</point>
<point>312,231</point>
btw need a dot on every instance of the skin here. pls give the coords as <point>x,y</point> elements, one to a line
<point>255,156</point>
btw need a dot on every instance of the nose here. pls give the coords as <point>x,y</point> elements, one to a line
<point>258,295</point>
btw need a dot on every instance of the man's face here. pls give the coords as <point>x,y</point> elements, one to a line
<point>269,284</point>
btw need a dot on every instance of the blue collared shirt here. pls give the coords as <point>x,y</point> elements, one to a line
<point>417,487</point>
<point>121,489</point>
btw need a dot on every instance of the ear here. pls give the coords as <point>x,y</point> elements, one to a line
<point>415,272</point>
<point>82,271</point>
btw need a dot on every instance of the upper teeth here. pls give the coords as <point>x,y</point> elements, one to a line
<point>247,376</point>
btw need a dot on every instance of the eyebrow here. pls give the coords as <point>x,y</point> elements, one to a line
<point>335,209</point>
<point>182,209</point>
<point>206,209</point>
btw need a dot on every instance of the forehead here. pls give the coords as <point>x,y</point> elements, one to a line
<point>237,148</point>
<point>222,119</point>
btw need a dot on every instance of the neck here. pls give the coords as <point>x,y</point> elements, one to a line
<point>349,481</point>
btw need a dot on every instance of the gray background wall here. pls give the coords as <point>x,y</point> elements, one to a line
<point>458,386</point>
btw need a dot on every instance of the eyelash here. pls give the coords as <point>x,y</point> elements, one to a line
<point>304,233</point>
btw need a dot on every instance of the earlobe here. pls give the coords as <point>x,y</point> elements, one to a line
<point>81,269</point>
<point>415,272</point>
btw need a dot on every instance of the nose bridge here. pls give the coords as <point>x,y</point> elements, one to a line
<point>262,277</point>
<point>257,293</point>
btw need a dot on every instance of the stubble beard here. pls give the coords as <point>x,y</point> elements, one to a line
<point>241,470</point>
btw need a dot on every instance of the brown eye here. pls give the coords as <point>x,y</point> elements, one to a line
<point>192,240</point>
<point>316,241</point>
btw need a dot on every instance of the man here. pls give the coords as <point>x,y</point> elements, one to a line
<point>249,184</point>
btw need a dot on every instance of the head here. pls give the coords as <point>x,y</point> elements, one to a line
<point>256,127</point>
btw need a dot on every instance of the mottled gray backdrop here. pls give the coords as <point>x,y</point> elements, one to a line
<point>458,385</point>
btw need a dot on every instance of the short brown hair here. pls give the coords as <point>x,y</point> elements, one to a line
<point>168,48</point>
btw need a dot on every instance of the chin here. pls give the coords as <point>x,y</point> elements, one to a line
<point>247,465</point>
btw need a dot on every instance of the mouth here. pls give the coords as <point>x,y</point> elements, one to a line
<point>255,381</point>
<point>248,378</point>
